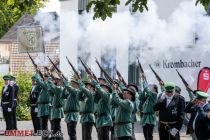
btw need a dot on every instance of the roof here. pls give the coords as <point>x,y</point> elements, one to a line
<point>29,20</point>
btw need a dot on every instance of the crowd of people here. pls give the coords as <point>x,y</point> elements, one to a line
<point>109,107</point>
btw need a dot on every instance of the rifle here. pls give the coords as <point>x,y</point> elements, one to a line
<point>105,73</point>
<point>35,65</point>
<point>156,75</point>
<point>88,70</point>
<point>77,74</point>
<point>121,78</point>
<point>58,70</point>
<point>184,81</point>
<point>141,69</point>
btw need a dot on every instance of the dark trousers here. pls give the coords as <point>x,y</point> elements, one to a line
<point>14,118</point>
<point>165,134</point>
<point>103,133</point>
<point>44,126</point>
<point>148,131</point>
<point>124,138</point>
<point>112,133</point>
<point>133,133</point>
<point>56,130</point>
<point>71,127</point>
<point>8,118</point>
<point>87,131</point>
<point>35,121</point>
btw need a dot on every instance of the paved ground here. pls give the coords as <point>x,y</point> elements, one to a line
<point>27,125</point>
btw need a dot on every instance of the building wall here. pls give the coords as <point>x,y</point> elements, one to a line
<point>22,62</point>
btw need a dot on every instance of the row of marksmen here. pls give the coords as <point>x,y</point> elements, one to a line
<point>108,107</point>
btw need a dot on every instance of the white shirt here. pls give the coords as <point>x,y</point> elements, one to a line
<point>33,87</point>
<point>168,99</point>
<point>5,88</point>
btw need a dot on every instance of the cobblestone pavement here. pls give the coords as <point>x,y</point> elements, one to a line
<point>27,125</point>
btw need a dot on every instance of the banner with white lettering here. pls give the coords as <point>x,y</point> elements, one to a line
<point>204,79</point>
<point>30,39</point>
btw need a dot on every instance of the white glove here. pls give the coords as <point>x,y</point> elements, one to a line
<point>173,131</point>
<point>9,109</point>
<point>36,109</point>
<point>163,96</point>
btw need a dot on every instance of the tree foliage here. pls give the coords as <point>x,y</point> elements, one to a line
<point>105,8</point>
<point>12,10</point>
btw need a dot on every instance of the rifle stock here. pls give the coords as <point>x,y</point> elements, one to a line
<point>35,65</point>
<point>184,81</point>
<point>156,75</point>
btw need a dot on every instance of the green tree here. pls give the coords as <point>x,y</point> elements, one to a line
<point>12,10</point>
<point>23,80</point>
<point>105,8</point>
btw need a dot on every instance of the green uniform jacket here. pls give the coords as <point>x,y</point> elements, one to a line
<point>57,101</point>
<point>123,119</point>
<point>87,113</point>
<point>149,116</point>
<point>50,102</point>
<point>135,110</point>
<point>43,99</point>
<point>103,108</point>
<point>71,105</point>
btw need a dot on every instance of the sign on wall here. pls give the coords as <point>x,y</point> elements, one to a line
<point>30,39</point>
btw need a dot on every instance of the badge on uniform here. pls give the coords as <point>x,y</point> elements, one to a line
<point>174,111</point>
<point>36,109</point>
<point>7,93</point>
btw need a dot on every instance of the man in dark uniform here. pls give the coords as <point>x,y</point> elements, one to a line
<point>171,113</point>
<point>33,97</point>
<point>16,89</point>
<point>200,108</point>
<point>7,102</point>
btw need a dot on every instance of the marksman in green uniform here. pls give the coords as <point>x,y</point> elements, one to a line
<point>56,113</point>
<point>43,103</point>
<point>71,93</point>
<point>136,105</point>
<point>104,119</point>
<point>123,120</point>
<point>148,119</point>
<point>87,112</point>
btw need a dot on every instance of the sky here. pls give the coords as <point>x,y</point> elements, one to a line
<point>52,5</point>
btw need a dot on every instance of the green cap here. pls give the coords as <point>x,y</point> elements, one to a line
<point>12,77</point>
<point>75,81</point>
<point>6,77</point>
<point>169,86</point>
<point>33,78</point>
<point>201,95</point>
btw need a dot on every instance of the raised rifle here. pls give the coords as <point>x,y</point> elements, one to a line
<point>184,81</point>
<point>156,75</point>
<point>121,78</point>
<point>105,73</point>
<point>35,65</point>
<point>87,69</point>
<point>58,70</point>
<point>75,71</point>
<point>141,69</point>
